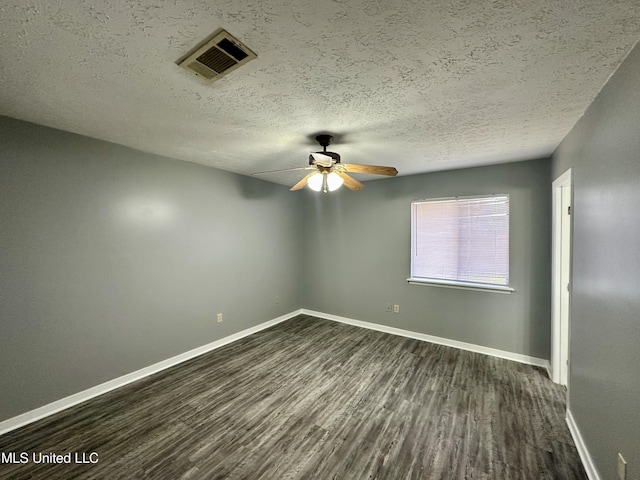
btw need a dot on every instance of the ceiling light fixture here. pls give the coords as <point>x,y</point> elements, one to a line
<point>315,181</point>
<point>334,181</point>
<point>325,182</point>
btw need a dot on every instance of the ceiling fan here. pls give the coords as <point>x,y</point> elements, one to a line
<point>329,174</point>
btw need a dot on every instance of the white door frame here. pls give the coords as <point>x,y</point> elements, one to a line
<point>561,277</point>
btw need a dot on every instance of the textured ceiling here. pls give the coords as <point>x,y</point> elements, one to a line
<point>420,85</point>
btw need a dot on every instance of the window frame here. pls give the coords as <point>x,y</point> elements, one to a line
<point>459,284</point>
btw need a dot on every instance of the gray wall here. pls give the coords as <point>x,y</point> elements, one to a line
<point>357,248</point>
<point>604,386</point>
<point>113,259</point>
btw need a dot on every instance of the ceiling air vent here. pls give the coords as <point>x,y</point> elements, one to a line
<point>218,56</point>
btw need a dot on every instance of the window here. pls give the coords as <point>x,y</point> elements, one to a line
<point>461,242</point>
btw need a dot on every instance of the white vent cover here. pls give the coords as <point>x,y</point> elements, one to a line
<point>217,57</point>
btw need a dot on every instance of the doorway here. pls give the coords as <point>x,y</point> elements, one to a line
<point>561,278</point>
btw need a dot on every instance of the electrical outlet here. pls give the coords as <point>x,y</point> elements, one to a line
<point>219,318</point>
<point>389,307</point>
<point>622,468</point>
<point>396,309</point>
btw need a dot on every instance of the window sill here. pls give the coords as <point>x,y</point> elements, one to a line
<point>460,285</point>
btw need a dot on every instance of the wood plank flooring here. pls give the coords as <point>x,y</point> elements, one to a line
<point>315,399</point>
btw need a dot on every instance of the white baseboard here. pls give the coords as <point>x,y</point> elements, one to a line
<point>516,357</point>
<point>55,407</point>
<point>587,461</point>
<point>71,400</point>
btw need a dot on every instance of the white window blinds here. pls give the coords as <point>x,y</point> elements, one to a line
<point>462,240</point>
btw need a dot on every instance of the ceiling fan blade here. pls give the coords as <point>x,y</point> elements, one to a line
<point>350,182</point>
<point>302,183</point>
<point>311,167</point>
<point>370,169</point>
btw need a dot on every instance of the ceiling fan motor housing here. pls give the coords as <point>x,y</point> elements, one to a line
<point>325,140</point>
<point>333,155</point>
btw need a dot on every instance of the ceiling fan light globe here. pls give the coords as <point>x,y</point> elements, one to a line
<point>315,182</point>
<point>334,181</point>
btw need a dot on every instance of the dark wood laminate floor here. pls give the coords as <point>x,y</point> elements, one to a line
<point>314,399</point>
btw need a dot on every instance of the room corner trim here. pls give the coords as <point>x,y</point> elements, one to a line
<point>66,402</point>
<point>587,461</point>
<point>516,357</point>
